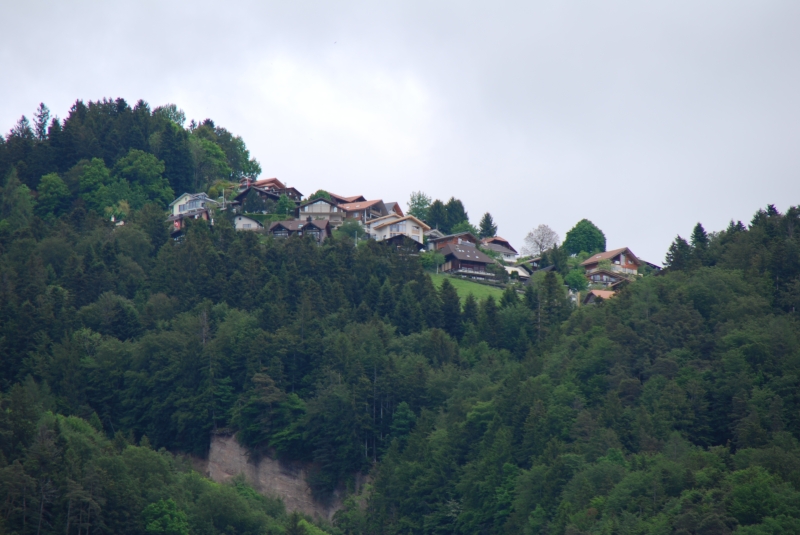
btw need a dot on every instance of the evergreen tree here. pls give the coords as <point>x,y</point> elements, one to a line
<point>455,213</point>
<point>418,205</point>
<point>177,157</point>
<point>408,315</point>
<point>386,302</point>
<point>510,298</point>
<point>451,309</point>
<point>488,228</point>
<point>470,313</point>
<point>437,216</point>
<point>41,121</point>
<point>699,241</point>
<point>489,323</point>
<point>584,237</point>
<point>679,255</point>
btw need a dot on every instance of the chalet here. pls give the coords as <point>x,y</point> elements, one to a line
<point>364,211</point>
<point>606,277</point>
<point>434,244</point>
<point>270,188</point>
<point>393,225</point>
<point>618,261</point>
<point>466,260</point>
<point>501,247</point>
<point>404,244</point>
<point>532,264</point>
<point>319,230</point>
<point>321,208</point>
<point>242,222</point>
<point>190,206</point>
<point>593,296</point>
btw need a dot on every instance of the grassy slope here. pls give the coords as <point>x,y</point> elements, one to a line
<point>465,287</point>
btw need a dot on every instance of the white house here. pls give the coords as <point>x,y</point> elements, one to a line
<point>242,222</point>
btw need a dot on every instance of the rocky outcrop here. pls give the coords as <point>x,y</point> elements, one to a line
<point>271,477</point>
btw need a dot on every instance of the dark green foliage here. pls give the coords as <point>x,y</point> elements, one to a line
<point>672,408</point>
<point>487,226</point>
<point>584,237</point>
<point>437,216</point>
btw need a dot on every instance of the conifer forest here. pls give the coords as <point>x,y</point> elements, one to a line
<point>673,408</point>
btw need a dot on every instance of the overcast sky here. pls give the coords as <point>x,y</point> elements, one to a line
<point>644,117</point>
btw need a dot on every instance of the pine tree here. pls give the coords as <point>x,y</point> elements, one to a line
<point>489,323</point>
<point>437,216</point>
<point>40,121</point>
<point>386,304</point>
<point>699,242</point>
<point>679,255</point>
<point>455,213</point>
<point>488,229</point>
<point>451,309</point>
<point>408,314</point>
<point>470,314</point>
<point>509,298</point>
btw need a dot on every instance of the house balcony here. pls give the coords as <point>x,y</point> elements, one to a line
<point>614,268</point>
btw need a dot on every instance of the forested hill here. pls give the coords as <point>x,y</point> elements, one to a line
<point>671,408</point>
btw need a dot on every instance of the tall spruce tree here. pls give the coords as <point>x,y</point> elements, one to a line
<point>488,228</point>
<point>451,310</point>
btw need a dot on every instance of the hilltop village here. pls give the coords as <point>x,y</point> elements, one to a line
<point>270,207</point>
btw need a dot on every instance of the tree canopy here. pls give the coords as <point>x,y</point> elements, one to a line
<point>585,237</point>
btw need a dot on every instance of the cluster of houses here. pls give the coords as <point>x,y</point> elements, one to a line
<point>464,254</point>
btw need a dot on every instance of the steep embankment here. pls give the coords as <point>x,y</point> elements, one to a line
<point>271,477</point>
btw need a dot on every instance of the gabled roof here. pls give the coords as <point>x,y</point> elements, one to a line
<point>608,255</point>
<point>395,207</point>
<point>496,247</point>
<point>382,219</point>
<point>318,199</point>
<point>342,200</point>
<point>406,218</point>
<point>201,195</point>
<point>299,224</point>
<point>602,294</point>
<point>465,233</point>
<point>361,205</point>
<point>256,221</point>
<point>497,240</point>
<point>464,253</point>
<point>434,234</point>
<point>269,182</point>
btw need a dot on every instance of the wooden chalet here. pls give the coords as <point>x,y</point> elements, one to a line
<point>466,260</point>
<point>606,277</point>
<point>434,244</point>
<point>269,188</point>
<point>593,296</point>
<point>621,261</point>
<point>404,244</point>
<point>317,229</point>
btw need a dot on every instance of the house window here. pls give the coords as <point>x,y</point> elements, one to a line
<point>397,227</point>
<point>246,225</point>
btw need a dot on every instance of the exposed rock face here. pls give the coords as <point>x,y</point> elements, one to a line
<point>226,459</point>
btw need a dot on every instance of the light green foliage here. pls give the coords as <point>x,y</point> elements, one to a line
<point>466,287</point>
<point>93,182</point>
<point>210,162</point>
<point>164,518</point>
<point>284,206</point>
<point>350,230</point>
<point>464,226</point>
<point>144,174</point>
<point>576,280</point>
<point>430,260</point>
<point>418,205</point>
<point>53,197</point>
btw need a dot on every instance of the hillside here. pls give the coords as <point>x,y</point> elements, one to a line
<point>671,408</point>
<point>466,287</point>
